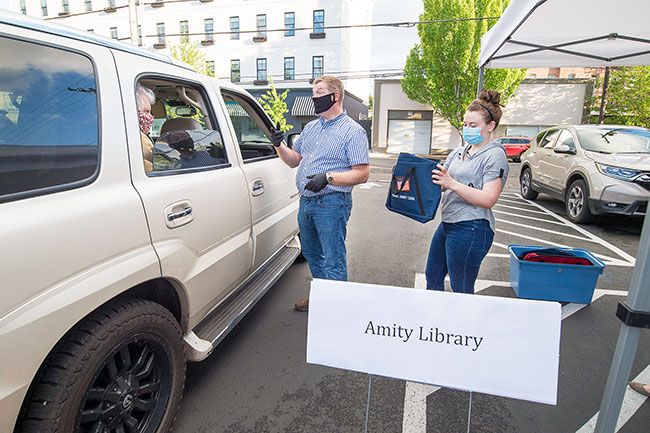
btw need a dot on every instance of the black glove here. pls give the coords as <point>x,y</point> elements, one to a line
<point>277,136</point>
<point>317,182</point>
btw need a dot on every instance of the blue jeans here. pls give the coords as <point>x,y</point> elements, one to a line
<point>322,221</point>
<point>458,249</point>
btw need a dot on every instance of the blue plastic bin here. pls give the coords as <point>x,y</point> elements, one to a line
<point>551,281</point>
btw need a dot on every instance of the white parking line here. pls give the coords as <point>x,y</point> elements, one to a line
<point>520,208</point>
<point>511,201</point>
<point>608,260</point>
<point>587,233</point>
<point>529,217</point>
<point>632,401</point>
<point>415,394</point>
<point>545,230</point>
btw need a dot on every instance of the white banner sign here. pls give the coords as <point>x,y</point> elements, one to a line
<point>500,346</point>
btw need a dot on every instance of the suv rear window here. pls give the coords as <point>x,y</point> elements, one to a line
<point>48,119</point>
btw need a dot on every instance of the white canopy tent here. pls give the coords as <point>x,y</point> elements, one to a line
<point>591,33</point>
<point>543,33</point>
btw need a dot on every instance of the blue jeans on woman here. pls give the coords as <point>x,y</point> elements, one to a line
<point>323,221</point>
<point>458,249</point>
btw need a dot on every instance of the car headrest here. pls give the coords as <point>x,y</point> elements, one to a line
<point>158,110</point>
<point>177,140</point>
<point>180,123</point>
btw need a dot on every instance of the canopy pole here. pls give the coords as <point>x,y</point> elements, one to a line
<point>603,98</point>
<point>481,79</point>
<point>638,299</point>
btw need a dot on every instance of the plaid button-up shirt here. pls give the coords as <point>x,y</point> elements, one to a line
<point>330,146</point>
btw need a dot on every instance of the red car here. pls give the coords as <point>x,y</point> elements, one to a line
<point>514,146</point>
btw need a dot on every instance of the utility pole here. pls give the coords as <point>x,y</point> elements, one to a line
<point>603,98</point>
<point>133,22</point>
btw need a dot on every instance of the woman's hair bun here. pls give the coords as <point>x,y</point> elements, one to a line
<point>490,97</point>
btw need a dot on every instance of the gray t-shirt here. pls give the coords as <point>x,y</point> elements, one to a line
<point>489,163</point>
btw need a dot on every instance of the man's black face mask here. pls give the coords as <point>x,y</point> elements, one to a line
<point>323,103</point>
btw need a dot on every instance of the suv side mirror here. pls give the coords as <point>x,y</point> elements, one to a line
<point>292,138</point>
<point>563,148</point>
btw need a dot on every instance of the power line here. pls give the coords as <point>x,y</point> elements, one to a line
<point>107,10</point>
<point>396,24</point>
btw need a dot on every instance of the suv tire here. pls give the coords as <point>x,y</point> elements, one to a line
<point>525,185</point>
<point>123,366</point>
<point>575,203</point>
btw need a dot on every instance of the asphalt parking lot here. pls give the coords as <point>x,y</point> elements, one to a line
<point>257,379</point>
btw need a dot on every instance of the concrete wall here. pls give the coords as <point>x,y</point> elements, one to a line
<point>538,103</point>
<point>388,95</point>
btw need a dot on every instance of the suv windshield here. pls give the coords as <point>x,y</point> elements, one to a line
<point>615,140</point>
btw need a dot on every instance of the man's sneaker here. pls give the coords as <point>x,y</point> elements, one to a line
<point>302,305</point>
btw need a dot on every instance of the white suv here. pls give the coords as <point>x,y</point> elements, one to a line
<point>115,271</point>
<point>594,169</point>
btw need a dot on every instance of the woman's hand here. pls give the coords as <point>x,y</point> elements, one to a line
<point>442,178</point>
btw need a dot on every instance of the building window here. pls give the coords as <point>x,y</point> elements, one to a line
<point>208,24</point>
<point>235,71</point>
<point>209,66</point>
<point>261,25</point>
<point>65,6</point>
<point>23,7</point>
<point>317,67</point>
<point>261,69</point>
<point>185,29</point>
<point>44,8</point>
<point>88,4</point>
<point>289,68</point>
<point>111,4</point>
<point>114,32</point>
<point>234,27</point>
<point>160,30</point>
<point>289,24</point>
<point>319,21</point>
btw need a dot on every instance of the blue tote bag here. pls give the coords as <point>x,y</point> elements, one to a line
<point>411,191</point>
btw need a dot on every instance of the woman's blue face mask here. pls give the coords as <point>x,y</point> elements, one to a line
<point>472,135</point>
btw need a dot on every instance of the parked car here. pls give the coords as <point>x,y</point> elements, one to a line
<point>115,275</point>
<point>594,169</point>
<point>514,146</point>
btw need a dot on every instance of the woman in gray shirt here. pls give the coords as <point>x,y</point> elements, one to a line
<point>472,178</point>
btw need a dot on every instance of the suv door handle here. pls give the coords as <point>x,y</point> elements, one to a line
<point>257,187</point>
<point>176,215</point>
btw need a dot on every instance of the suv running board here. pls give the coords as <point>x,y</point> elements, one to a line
<point>214,328</point>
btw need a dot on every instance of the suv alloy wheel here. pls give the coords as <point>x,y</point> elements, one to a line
<point>575,203</point>
<point>525,185</point>
<point>122,369</point>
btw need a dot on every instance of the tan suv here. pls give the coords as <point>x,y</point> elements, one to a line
<point>594,169</point>
<point>118,264</point>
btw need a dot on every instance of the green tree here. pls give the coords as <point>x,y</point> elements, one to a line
<point>628,96</point>
<point>275,105</point>
<point>190,53</point>
<point>442,70</point>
